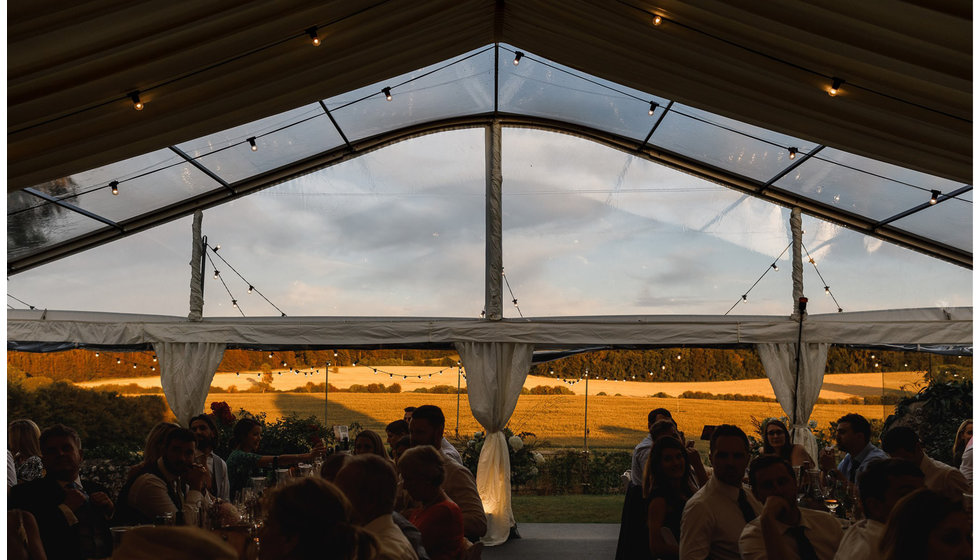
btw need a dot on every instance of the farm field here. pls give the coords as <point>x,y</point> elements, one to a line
<point>557,420</point>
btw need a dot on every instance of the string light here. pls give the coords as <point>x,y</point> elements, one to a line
<point>745,297</point>
<point>835,87</point>
<point>657,20</point>
<point>313,36</point>
<point>251,142</point>
<point>826,290</point>
<point>137,104</point>
<point>216,274</point>
<point>118,360</point>
<point>774,267</point>
<point>387,92</point>
<point>250,288</point>
<point>114,185</point>
<point>96,354</point>
<point>792,153</point>
<point>653,108</point>
<point>517,57</point>
<point>234,303</point>
<point>134,365</point>
<point>935,196</point>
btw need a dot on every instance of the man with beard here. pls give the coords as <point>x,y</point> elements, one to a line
<point>853,437</point>
<point>172,485</point>
<point>207,435</point>
<point>72,514</point>
<point>714,517</point>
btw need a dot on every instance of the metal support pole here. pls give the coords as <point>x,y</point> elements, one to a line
<point>586,440</point>
<point>459,377</point>
<point>326,389</point>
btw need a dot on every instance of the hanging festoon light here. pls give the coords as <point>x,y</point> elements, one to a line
<point>387,92</point>
<point>826,290</point>
<point>234,303</point>
<point>251,288</point>
<point>653,108</point>
<point>135,97</point>
<point>314,38</point>
<point>792,153</point>
<point>935,196</point>
<point>216,274</point>
<point>775,267</point>
<point>252,144</point>
<point>657,20</point>
<point>517,57</point>
<point>114,187</point>
<point>835,87</point>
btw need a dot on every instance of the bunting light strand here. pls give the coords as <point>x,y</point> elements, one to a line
<point>770,267</point>
<point>234,302</point>
<point>251,287</point>
<point>512,296</point>
<point>826,286</point>
<point>29,306</point>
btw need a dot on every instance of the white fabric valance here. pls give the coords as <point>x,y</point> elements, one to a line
<point>186,371</point>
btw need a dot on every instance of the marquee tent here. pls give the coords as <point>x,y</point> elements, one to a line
<point>186,107</point>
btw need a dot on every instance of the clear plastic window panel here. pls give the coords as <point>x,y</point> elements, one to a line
<point>727,144</point>
<point>143,273</point>
<point>539,87</point>
<point>460,86</point>
<point>865,273</point>
<point>861,185</point>
<point>33,223</point>
<point>361,238</point>
<point>279,140</point>
<point>949,222</point>
<point>589,230</point>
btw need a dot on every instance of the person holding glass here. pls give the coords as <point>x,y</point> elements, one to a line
<point>244,459</point>
<point>776,441</point>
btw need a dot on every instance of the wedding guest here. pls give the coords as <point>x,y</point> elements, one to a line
<point>714,517</point>
<point>881,485</point>
<point>72,514</point>
<point>173,543</point>
<point>153,447</point>
<point>438,517</point>
<point>666,489</point>
<point>23,537</point>
<point>368,441</point>
<point>23,440</point>
<point>369,482</point>
<point>427,427</point>
<point>400,447</point>
<point>903,443</point>
<point>963,436</point>
<point>409,410</point>
<point>396,431</point>
<point>854,438</point>
<point>244,460</point>
<point>642,449</point>
<point>309,518</point>
<point>173,486</point>
<point>926,525</point>
<point>776,441</point>
<point>206,433</point>
<point>966,466</point>
<point>332,465</point>
<point>784,531</point>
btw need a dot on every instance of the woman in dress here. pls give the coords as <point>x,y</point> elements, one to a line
<point>438,518</point>
<point>369,441</point>
<point>963,435</point>
<point>310,518</point>
<point>243,460</point>
<point>775,441</point>
<point>23,442</point>
<point>666,488</point>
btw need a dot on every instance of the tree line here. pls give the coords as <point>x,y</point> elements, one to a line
<point>663,364</point>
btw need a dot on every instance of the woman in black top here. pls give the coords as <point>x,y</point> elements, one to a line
<point>666,487</point>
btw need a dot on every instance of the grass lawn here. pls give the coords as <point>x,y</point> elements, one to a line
<point>575,508</point>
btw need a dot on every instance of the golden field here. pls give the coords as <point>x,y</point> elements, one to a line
<point>614,422</point>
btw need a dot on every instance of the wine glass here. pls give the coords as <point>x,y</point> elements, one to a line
<point>831,503</point>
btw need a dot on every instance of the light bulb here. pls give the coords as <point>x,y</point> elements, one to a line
<point>234,303</point>
<point>835,87</point>
<point>387,92</point>
<point>313,36</point>
<point>517,57</point>
<point>774,267</point>
<point>745,297</point>
<point>137,104</point>
<point>250,288</point>
<point>251,142</point>
<point>935,197</point>
<point>792,153</point>
<point>653,108</point>
<point>826,290</point>
<point>96,354</point>
<point>657,20</point>
<point>114,185</point>
<point>216,273</point>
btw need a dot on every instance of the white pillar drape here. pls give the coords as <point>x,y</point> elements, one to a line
<point>779,361</point>
<point>186,371</point>
<point>495,374</point>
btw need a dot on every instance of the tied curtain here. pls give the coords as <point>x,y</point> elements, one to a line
<point>495,374</point>
<point>779,361</point>
<point>186,371</point>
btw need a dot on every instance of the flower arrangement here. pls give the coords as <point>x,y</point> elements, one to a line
<point>524,460</point>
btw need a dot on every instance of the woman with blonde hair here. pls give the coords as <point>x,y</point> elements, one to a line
<point>963,436</point>
<point>23,441</point>
<point>309,518</point>
<point>369,441</point>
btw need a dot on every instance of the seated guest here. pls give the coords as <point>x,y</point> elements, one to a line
<point>400,447</point>
<point>783,530</point>
<point>438,517</point>
<point>207,437</point>
<point>409,410</point>
<point>902,442</point>
<point>963,436</point>
<point>153,447</point>
<point>370,483</point>
<point>368,441</point>
<point>881,485</point>
<point>666,488</point>
<point>714,517</point>
<point>309,518</point>
<point>22,440</point>
<point>925,525</point>
<point>243,461</point>
<point>23,537</point>
<point>173,543</point>
<point>396,431</point>
<point>332,465</point>
<point>776,441</point>
<point>426,427</point>
<point>853,437</point>
<point>642,449</point>
<point>159,489</point>
<point>72,514</point>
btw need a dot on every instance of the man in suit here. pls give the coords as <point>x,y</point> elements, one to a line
<point>207,435</point>
<point>72,515</point>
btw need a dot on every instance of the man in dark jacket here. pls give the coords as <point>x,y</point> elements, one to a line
<point>72,515</point>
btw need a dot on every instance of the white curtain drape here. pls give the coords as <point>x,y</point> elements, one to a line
<point>779,361</point>
<point>495,374</point>
<point>186,371</point>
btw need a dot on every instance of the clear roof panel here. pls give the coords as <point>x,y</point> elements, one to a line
<point>950,220</point>
<point>592,231</point>
<point>33,224</point>
<point>279,140</point>
<point>727,144</point>
<point>542,88</point>
<point>458,87</point>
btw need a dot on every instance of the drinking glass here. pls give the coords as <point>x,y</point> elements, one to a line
<point>831,503</point>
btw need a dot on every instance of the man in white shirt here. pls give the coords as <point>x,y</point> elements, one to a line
<point>207,435</point>
<point>714,517</point>
<point>642,449</point>
<point>902,442</point>
<point>881,485</point>
<point>369,482</point>
<point>784,531</point>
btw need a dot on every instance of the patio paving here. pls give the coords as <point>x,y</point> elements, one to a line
<point>567,541</point>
